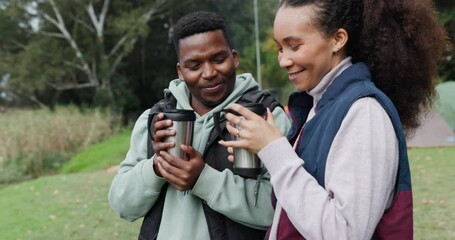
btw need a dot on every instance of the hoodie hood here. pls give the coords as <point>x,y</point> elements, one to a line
<point>204,124</point>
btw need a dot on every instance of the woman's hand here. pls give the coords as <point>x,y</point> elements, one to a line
<point>253,131</point>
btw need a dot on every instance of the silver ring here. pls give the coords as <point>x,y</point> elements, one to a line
<point>240,121</point>
<point>238,132</point>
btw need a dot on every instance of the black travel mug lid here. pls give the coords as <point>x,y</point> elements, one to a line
<point>257,108</point>
<point>180,115</point>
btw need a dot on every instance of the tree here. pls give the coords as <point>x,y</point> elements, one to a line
<point>79,44</point>
<point>115,53</point>
<point>12,41</point>
<point>446,9</point>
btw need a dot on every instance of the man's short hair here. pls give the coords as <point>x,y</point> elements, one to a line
<point>198,22</point>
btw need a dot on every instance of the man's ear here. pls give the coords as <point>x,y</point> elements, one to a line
<point>179,72</point>
<point>340,38</point>
<point>236,58</point>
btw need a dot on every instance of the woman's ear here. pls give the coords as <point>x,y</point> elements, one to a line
<point>340,38</point>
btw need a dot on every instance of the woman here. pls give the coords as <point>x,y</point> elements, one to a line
<point>364,72</point>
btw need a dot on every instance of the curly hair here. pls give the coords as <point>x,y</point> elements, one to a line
<point>401,41</point>
<point>198,22</point>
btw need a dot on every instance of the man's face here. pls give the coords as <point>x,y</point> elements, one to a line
<point>207,65</point>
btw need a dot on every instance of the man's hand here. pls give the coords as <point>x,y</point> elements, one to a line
<point>180,173</point>
<point>160,132</point>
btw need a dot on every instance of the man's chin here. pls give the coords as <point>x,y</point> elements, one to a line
<point>214,102</point>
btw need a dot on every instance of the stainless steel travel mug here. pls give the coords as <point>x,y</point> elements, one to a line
<point>247,163</point>
<point>183,124</point>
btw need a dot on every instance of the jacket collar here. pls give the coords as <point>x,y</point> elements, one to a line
<point>300,103</point>
<point>356,73</point>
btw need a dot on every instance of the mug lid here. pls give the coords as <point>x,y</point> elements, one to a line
<point>180,115</point>
<point>257,108</point>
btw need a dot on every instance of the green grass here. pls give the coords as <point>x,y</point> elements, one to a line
<point>101,155</point>
<point>74,206</point>
<point>434,192</point>
<point>69,206</point>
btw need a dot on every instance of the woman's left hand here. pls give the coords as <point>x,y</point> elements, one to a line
<point>253,131</point>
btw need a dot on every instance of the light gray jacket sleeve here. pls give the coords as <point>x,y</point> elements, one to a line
<point>360,176</point>
<point>136,187</point>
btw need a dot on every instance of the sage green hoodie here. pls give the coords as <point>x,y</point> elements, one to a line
<point>136,187</point>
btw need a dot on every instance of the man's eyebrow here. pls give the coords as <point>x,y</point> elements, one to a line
<point>190,60</point>
<point>216,54</point>
<point>220,54</point>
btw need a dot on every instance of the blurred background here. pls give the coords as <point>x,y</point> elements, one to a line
<point>75,75</point>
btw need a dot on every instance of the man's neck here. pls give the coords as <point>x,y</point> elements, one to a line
<point>199,107</point>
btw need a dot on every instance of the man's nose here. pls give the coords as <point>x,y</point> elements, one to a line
<point>208,71</point>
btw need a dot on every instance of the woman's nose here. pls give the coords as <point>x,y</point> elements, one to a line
<point>284,61</point>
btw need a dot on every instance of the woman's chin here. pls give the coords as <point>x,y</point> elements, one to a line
<point>301,88</point>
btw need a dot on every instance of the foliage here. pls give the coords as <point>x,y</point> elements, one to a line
<point>80,44</point>
<point>127,60</point>
<point>13,39</point>
<point>100,156</point>
<point>273,77</point>
<point>446,14</point>
<point>86,65</point>
<point>37,142</point>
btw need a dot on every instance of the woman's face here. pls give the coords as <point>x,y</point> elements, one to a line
<point>303,51</point>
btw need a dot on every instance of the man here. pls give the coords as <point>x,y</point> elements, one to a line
<point>200,198</point>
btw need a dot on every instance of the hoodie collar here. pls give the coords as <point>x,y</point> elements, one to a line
<point>243,83</point>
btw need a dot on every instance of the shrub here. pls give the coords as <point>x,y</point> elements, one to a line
<point>37,142</point>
